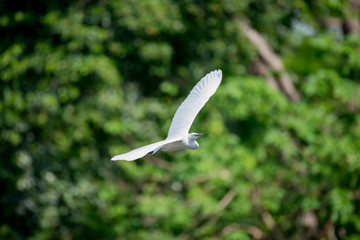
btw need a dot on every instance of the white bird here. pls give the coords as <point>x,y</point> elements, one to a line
<point>178,137</point>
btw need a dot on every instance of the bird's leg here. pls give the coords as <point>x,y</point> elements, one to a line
<point>157,149</point>
<point>154,151</point>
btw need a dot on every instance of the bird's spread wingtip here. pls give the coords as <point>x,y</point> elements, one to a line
<point>120,158</point>
<point>219,72</point>
<point>116,158</point>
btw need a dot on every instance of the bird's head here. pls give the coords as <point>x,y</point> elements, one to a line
<point>194,136</point>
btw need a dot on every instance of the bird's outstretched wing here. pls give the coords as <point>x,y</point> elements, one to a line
<point>142,151</point>
<point>197,98</point>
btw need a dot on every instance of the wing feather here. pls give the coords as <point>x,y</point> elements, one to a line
<point>191,106</point>
<point>142,151</point>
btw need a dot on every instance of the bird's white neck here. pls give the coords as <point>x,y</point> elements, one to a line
<point>192,143</point>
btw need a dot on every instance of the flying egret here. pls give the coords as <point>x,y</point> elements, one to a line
<point>178,137</point>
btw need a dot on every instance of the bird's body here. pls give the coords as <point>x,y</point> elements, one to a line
<point>178,137</point>
<point>187,142</point>
<point>180,145</point>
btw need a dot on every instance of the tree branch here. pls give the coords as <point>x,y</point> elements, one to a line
<point>211,218</point>
<point>271,61</point>
<point>351,25</point>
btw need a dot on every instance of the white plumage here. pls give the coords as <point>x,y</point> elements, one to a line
<point>178,137</point>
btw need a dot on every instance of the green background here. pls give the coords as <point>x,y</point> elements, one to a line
<point>82,81</point>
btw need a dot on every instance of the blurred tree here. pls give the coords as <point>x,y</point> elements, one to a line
<point>81,81</point>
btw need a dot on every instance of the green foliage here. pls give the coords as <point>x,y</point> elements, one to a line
<point>83,81</point>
